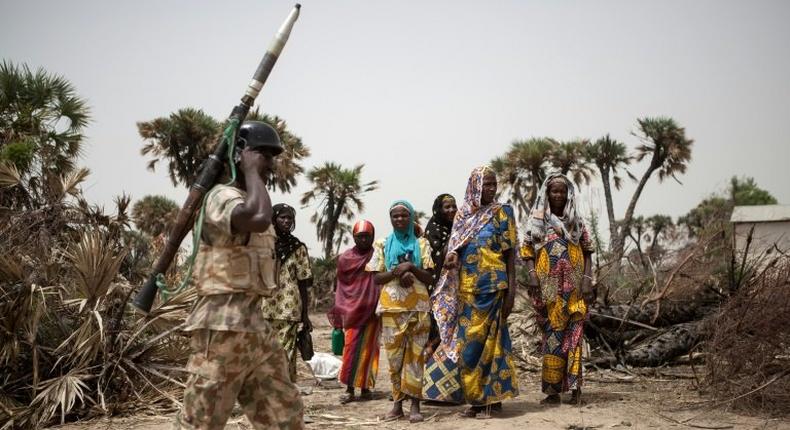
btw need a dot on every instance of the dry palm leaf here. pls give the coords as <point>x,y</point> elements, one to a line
<point>96,264</point>
<point>70,183</point>
<point>9,175</point>
<point>61,393</point>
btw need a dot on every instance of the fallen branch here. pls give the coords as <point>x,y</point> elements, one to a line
<point>636,323</point>
<point>694,425</point>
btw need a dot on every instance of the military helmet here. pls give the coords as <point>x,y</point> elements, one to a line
<point>257,134</point>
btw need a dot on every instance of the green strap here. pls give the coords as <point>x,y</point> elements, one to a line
<point>229,136</point>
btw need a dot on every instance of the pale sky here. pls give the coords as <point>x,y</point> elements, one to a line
<point>422,92</point>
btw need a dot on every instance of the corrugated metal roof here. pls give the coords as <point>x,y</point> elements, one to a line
<point>764,213</point>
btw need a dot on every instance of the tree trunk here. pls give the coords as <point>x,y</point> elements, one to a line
<point>619,245</point>
<point>674,342</point>
<point>669,313</point>
<point>329,227</point>
<point>607,192</point>
<point>332,226</point>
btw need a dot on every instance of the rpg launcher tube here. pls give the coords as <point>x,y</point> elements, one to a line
<point>212,168</point>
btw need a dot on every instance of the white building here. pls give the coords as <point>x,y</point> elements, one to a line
<point>771,225</point>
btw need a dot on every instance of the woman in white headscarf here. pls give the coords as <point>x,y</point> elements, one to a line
<point>558,252</point>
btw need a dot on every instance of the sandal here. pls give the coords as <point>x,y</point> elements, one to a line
<point>551,399</point>
<point>366,396</point>
<point>471,412</point>
<point>347,398</point>
<point>416,418</point>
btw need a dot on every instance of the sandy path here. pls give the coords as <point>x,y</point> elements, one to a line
<point>640,403</point>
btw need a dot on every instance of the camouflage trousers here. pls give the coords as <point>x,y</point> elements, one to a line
<point>286,335</point>
<point>227,366</point>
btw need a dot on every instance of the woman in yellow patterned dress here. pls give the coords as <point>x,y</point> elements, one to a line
<point>557,250</point>
<point>403,263</point>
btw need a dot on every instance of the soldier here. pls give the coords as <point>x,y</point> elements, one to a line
<point>235,353</point>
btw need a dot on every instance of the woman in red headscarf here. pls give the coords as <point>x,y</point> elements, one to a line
<point>356,298</point>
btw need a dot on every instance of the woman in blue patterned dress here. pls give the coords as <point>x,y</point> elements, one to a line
<point>472,301</point>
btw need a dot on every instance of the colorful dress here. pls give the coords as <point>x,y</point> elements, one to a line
<point>559,264</point>
<point>405,323</point>
<point>284,309</point>
<point>356,298</point>
<point>485,370</point>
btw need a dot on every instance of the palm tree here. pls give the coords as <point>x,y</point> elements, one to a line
<point>522,170</point>
<point>338,193</point>
<point>286,165</point>
<point>665,142</point>
<point>609,156</point>
<point>344,233</point>
<point>186,138</point>
<point>659,225</point>
<point>571,160</point>
<point>153,215</point>
<point>41,133</point>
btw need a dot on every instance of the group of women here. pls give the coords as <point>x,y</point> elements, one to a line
<point>439,301</point>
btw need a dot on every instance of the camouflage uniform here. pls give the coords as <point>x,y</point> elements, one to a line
<point>235,354</point>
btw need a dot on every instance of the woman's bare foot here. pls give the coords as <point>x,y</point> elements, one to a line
<point>414,412</point>
<point>348,397</point>
<point>551,399</point>
<point>576,397</point>
<point>365,395</point>
<point>396,412</point>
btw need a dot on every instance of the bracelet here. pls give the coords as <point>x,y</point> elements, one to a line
<point>587,276</point>
<point>532,271</point>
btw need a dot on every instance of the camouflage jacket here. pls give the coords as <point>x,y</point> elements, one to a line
<point>233,272</point>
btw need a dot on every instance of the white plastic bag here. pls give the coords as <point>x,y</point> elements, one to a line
<point>325,366</point>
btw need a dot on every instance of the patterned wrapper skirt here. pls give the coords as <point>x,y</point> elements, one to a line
<point>404,335</point>
<point>484,373</point>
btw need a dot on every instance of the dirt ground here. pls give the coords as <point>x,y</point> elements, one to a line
<point>613,400</point>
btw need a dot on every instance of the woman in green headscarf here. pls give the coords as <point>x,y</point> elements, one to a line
<point>403,262</point>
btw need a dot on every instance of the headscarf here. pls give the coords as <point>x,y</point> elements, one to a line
<point>286,243</point>
<point>569,224</point>
<point>356,295</point>
<point>402,243</point>
<point>469,220</point>
<point>363,226</point>
<point>438,231</point>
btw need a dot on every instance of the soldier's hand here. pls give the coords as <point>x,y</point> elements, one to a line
<point>254,161</point>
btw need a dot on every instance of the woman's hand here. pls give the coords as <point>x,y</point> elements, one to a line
<point>507,307</point>
<point>533,283</point>
<point>306,324</point>
<point>402,268</point>
<point>407,280</point>
<point>451,261</point>
<point>588,293</point>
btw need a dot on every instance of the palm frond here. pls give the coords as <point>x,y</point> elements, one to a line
<point>59,393</point>
<point>9,175</point>
<point>71,181</point>
<point>95,264</point>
